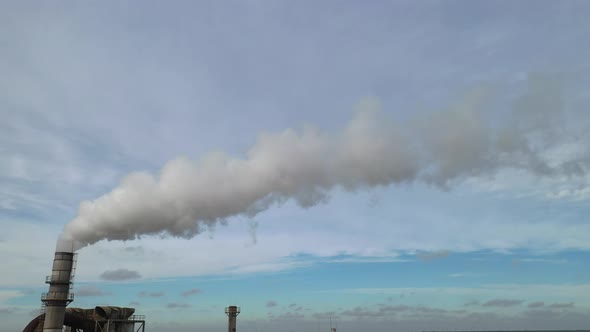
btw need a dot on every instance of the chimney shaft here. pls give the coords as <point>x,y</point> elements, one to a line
<point>232,313</point>
<point>58,296</point>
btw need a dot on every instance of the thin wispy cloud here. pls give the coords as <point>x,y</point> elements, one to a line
<point>502,303</point>
<point>359,312</point>
<point>191,292</point>
<point>407,311</point>
<point>464,275</point>
<point>120,274</point>
<point>561,305</point>
<point>536,304</point>
<point>430,256</point>
<point>287,316</point>
<point>325,315</point>
<point>91,291</point>
<point>178,305</point>
<point>7,311</point>
<point>151,294</point>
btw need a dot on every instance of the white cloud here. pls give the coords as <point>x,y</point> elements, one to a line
<point>580,192</point>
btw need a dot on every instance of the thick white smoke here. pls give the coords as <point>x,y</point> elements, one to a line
<point>372,150</point>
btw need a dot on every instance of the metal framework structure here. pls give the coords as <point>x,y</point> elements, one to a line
<point>87,320</point>
<point>55,317</point>
<point>104,326</point>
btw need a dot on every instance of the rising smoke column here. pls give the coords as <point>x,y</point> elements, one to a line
<point>188,196</point>
<point>304,166</point>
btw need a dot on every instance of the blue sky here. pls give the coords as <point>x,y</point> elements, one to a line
<point>90,92</point>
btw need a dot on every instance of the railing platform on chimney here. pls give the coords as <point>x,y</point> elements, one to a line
<point>54,296</point>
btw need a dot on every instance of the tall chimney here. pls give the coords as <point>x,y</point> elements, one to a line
<point>232,312</point>
<point>58,296</point>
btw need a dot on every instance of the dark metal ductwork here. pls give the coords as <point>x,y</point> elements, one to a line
<point>99,319</point>
<point>110,312</point>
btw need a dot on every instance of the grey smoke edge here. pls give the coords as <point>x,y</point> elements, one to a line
<point>187,196</point>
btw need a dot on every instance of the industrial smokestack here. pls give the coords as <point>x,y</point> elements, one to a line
<point>232,313</point>
<point>332,329</point>
<point>58,296</point>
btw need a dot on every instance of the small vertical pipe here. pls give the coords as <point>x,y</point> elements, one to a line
<point>232,313</point>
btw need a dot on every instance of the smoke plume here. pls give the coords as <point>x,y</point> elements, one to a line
<point>188,196</point>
